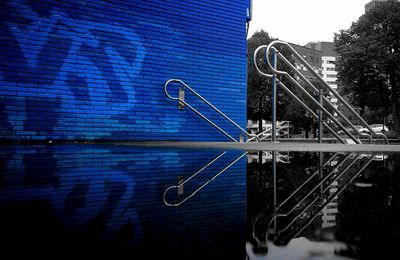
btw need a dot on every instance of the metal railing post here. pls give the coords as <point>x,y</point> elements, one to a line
<point>184,103</point>
<point>274,61</point>
<point>270,48</point>
<point>320,114</point>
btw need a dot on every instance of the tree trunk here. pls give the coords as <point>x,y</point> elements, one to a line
<point>260,115</point>
<point>395,85</point>
<point>396,115</point>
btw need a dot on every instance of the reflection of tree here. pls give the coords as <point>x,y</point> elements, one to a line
<point>368,217</point>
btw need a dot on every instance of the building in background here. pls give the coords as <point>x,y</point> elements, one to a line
<point>322,57</point>
<point>328,66</point>
<point>311,56</point>
<point>331,210</point>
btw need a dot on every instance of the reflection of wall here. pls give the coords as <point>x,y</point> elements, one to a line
<point>96,69</point>
<point>113,195</point>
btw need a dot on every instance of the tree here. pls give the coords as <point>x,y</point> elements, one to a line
<point>369,60</point>
<point>259,88</point>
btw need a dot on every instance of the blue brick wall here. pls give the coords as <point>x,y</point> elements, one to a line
<point>102,190</point>
<point>95,70</point>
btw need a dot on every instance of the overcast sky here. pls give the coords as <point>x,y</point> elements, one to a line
<point>303,21</point>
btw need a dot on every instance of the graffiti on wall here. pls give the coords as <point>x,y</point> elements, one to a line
<point>75,67</point>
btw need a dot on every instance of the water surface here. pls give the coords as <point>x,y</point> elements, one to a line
<point>129,202</point>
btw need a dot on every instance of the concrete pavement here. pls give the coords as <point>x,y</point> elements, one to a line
<point>269,146</point>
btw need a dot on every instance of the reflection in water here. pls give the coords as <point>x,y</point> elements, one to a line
<point>299,209</point>
<point>180,195</point>
<point>91,200</point>
<point>115,201</point>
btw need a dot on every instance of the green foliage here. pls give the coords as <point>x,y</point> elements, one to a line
<point>369,63</point>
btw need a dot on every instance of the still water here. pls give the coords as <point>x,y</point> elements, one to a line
<point>125,202</point>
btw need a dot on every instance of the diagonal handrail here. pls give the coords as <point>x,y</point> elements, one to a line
<point>268,130</point>
<point>210,105</point>
<point>294,96</point>
<point>325,85</point>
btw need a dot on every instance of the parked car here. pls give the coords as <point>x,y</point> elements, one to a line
<point>351,130</point>
<point>377,128</point>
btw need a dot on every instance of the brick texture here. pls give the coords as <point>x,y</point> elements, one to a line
<point>95,70</point>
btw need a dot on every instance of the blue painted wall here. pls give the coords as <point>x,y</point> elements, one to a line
<point>95,70</point>
<point>96,199</point>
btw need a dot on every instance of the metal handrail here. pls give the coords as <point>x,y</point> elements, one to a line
<point>309,110</point>
<point>269,129</point>
<point>326,101</point>
<point>209,104</point>
<point>290,93</point>
<point>301,89</point>
<point>204,184</point>
<point>325,84</point>
<point>279,128</point>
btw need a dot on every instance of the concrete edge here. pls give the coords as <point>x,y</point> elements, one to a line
<point>269,146</point>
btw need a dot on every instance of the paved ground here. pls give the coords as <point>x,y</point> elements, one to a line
<point>268,146</point>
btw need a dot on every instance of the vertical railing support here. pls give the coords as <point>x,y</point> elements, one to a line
<point>320,114</point>
<point>274,61</point>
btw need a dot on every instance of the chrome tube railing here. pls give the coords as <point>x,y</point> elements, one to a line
<point>268,130</point>
<point>325,100</point>
<point>290,93</point>
<point>325,85</point>
<point>210,105</point>
<point>180,185</point>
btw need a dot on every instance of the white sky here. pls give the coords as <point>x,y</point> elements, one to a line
<point>303,21</point>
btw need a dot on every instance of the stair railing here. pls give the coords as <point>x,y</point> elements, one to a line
<point>182,101</point>
<point>270,49</point>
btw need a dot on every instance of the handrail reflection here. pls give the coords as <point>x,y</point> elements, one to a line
<point>180,185</point>
<point>344,172</point>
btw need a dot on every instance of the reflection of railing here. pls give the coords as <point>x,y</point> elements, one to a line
<point>267,156</point>
<point>274,53</point>
<point>183,103</point>
<point>181,184</point>
<point>329,200</point>
<point>344,171</point>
